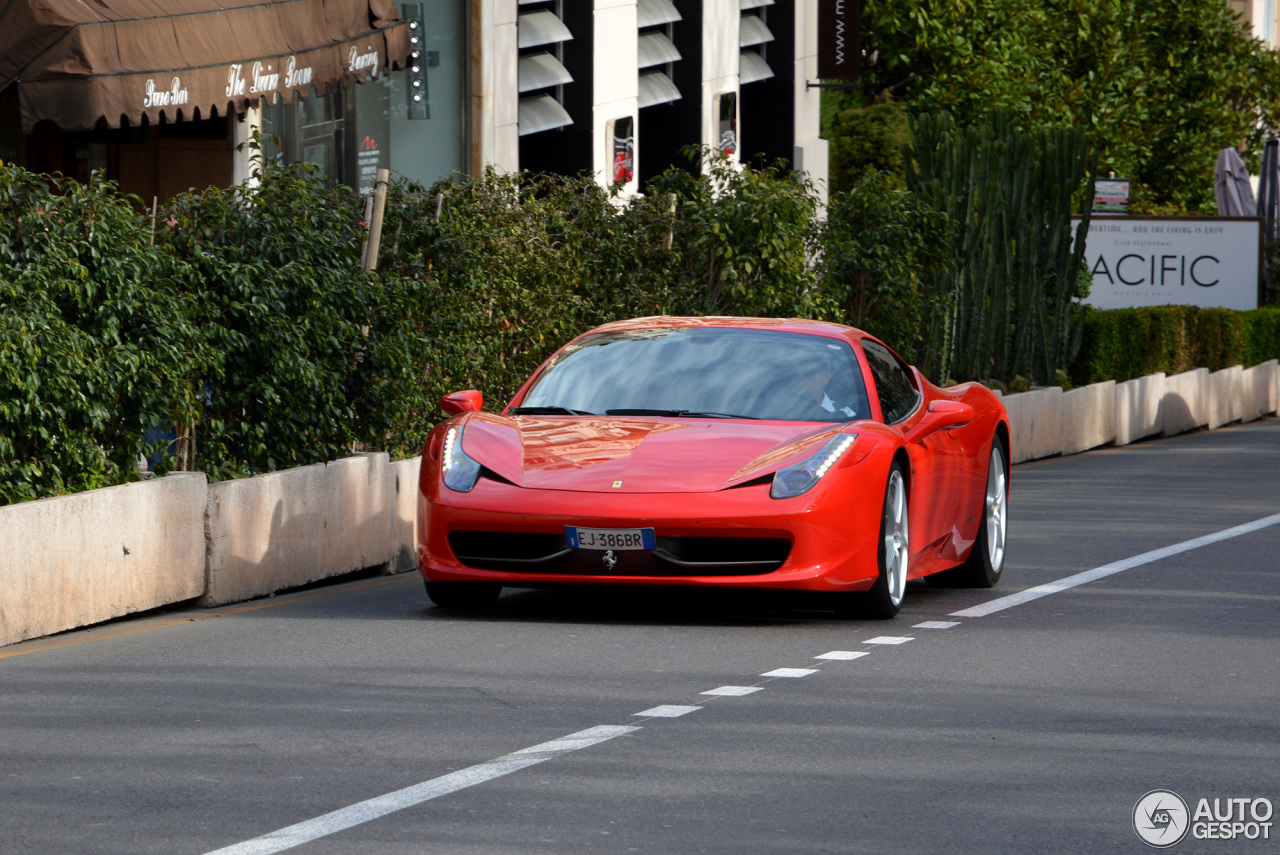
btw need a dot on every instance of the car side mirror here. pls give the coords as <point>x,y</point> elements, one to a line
<point>469,401</point>
<point>941,415</point>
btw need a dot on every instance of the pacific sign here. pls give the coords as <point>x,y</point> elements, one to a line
<point>1210,262</point>
<point>839,43</point>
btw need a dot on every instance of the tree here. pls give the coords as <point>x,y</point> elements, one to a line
<point>1159,86</point>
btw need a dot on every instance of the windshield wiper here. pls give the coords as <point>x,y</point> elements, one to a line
<point>548,411</point>
<point>697,414</point>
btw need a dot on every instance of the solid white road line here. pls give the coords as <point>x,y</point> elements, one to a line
<point>667,711</point>
<point>1111,569</point>
<point>844,654</point>
<point>339,820</point>
<point>790,672</point>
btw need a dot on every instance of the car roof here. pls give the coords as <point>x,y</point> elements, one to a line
<point>800,325</point>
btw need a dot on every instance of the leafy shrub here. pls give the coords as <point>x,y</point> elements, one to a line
<point>867,140</point>
<point>92,331</point>
<point>879,243</point>
<point>744,237</point>
<point>289,314</point>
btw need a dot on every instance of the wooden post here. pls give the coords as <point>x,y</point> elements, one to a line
<point>375,224</point>
<point>368,215</point>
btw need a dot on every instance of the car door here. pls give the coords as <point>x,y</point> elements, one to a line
<point>937,473</point>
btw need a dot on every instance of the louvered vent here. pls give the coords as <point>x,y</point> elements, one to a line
<point>541,34</point>
<point>754,37</point>
<point>656,20</point>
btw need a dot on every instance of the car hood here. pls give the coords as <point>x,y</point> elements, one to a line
<point>627,454</point>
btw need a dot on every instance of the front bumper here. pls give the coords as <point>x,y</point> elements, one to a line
<point>829,539</point>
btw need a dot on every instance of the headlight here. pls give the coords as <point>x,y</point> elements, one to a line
<point>460,471</point>
<point>798,478</point>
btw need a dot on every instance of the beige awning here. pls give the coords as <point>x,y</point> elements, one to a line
<point>91,64</point>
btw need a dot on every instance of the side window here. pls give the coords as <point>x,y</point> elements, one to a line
<point>893,382</point>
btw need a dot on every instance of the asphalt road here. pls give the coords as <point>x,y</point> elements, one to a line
<point>1035,728</point>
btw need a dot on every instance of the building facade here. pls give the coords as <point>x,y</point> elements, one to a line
<point>622,87</point>
<point>163,95</point>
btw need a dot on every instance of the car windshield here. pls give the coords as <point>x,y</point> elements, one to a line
<point>712,372</point>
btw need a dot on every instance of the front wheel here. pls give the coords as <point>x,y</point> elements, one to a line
<point>463,595</point>
<point>883,600</point>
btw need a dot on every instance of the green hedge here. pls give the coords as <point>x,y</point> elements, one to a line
<point>1121,344</point>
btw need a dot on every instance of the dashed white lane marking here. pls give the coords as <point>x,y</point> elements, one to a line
<point>362,812</point>
<point>732,691</point>
<point>790,672</point>
<point>888,639</point>
<point>844,654</point>
<point>1113,568</point>
<point>937,624</point>
<point>667,711</point>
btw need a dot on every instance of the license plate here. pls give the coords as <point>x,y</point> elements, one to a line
<point>609,538</point>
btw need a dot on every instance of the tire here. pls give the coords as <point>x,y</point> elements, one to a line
<point>883,600</point>
<point>985,563</point>
<point>463,595</point>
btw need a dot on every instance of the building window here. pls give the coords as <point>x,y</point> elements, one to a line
<point>542,74</point>
<point>657,52</point>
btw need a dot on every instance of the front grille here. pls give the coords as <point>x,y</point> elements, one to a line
<point>506,550</point>
<point>674,556</point>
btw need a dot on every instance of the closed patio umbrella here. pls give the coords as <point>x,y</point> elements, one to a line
<point>1231,185</point>
<point>1269,190</point>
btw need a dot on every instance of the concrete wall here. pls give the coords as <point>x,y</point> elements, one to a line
<point>1260,390</point>
<point>93,556</point>
<point>1045,422</point>
<point>1088,417</point>
<point>286,529</point>
<point>1185,405</point>
<point>1226,394</point>
<point>720,27</point>
<point>405,525</point>
<point>616,84</point>
<point>811,153</point>
<point>82,559</point>
<point>1138,410</point>
<point>1035,424</point>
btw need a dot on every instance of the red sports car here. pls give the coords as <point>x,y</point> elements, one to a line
<point>739,452</point>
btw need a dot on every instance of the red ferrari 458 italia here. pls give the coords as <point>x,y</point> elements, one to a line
<point>738,452</point>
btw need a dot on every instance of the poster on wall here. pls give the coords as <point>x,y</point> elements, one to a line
<point>624,151</point>
<point>1209,262</point>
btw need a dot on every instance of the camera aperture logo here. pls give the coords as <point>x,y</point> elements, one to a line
<point>1162,819</point>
